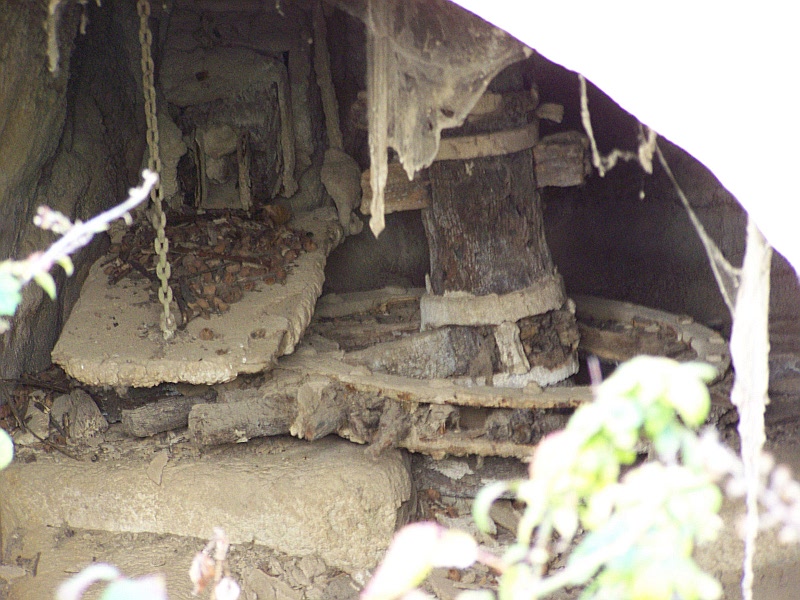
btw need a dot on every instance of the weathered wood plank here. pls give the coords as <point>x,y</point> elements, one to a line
<point>162,415</point>
<point>400,192</point>
<point>562,160</point>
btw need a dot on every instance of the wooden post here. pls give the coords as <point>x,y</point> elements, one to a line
<point>490,264</point>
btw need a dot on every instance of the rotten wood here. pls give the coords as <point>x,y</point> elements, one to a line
<point>356,335</point>
<point>488,253</point>
<point>162,415</point>
<point>551,112</point>
<point>343,305</point>
<point>319,412</point>
<point>707,345</point>
<point>562,160</point>
<point>619,346</point>
<point>435,391</point>
<point>235,422</point>
<point>243,163</point>
<point>322,67</point>
<point>312,395</point>
<point>497,143</point>
<point>467,254</point>
<point>437,354</point>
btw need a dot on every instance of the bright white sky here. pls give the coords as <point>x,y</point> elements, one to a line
<point>720,79</point>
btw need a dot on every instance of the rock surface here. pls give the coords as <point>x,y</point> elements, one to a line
<point>328,499</point>
<point>79,157</point>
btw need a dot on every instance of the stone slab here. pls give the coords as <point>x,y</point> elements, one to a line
<point>113,338</point>
<point>710,346</point>
<point>329,498</point>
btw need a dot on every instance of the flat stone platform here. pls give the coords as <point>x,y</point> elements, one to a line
<point>113,337</point>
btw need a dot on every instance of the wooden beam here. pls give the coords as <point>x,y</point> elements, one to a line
<point>400,193</point>
<point>562,160</point>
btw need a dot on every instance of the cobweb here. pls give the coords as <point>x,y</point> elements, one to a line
<point>428,63</point>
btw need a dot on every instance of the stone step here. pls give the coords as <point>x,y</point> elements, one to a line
<point>328,499</point>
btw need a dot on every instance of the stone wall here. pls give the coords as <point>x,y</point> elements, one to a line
<point>72,140</point>
<point>628,237</point>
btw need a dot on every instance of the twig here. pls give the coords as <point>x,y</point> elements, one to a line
<point>48,443</point>
<point>80,234</point>
<point>24,381</point>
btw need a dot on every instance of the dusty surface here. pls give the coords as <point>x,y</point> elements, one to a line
<point>280,493</point>
<point>444,490</point>
<point>236,476</point>
<point>113,337</point>
<point>63,551</point>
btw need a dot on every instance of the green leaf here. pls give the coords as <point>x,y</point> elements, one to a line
<point>622,420</point>
<point>516,583</point>
<point>688,581</point>
<point>586,421</point>
<point>668,441</point>
<point>700,370</point>
<point>483,503</point>
<point>619,534</point>
<point>47,283</point>
<point>565,521</point>
<point>10,294</point>
<point>516,553</point>
<point>599,507</point>
<point>657,417</point>
<point>6,450</point>
<point>652,582</point>
<point>531,518</point>
<point>690,397</point>
<point>66,264</point>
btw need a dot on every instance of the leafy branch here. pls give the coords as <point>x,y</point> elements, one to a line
<point>630,531</point>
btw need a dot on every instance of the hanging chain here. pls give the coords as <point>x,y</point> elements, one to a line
<point>158,218</point>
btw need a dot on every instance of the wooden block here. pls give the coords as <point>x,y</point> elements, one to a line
<point>550,111</point>
<point>498,143</point>
<point>400,193</point>
<point>562,159</point>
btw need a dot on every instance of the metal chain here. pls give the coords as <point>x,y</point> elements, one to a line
<point>158,218</point>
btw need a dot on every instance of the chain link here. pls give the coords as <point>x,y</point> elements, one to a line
<point>158,218</point>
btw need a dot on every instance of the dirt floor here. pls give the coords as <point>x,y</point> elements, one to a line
<point>271,574</point>
<point>444,492</point>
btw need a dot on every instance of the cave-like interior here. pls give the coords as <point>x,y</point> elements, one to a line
<point>264,113</point>
<point>74,140</point>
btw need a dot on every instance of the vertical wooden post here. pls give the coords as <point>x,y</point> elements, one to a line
<point>486,237</point>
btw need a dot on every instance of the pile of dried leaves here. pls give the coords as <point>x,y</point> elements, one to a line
<point>215,256</point>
